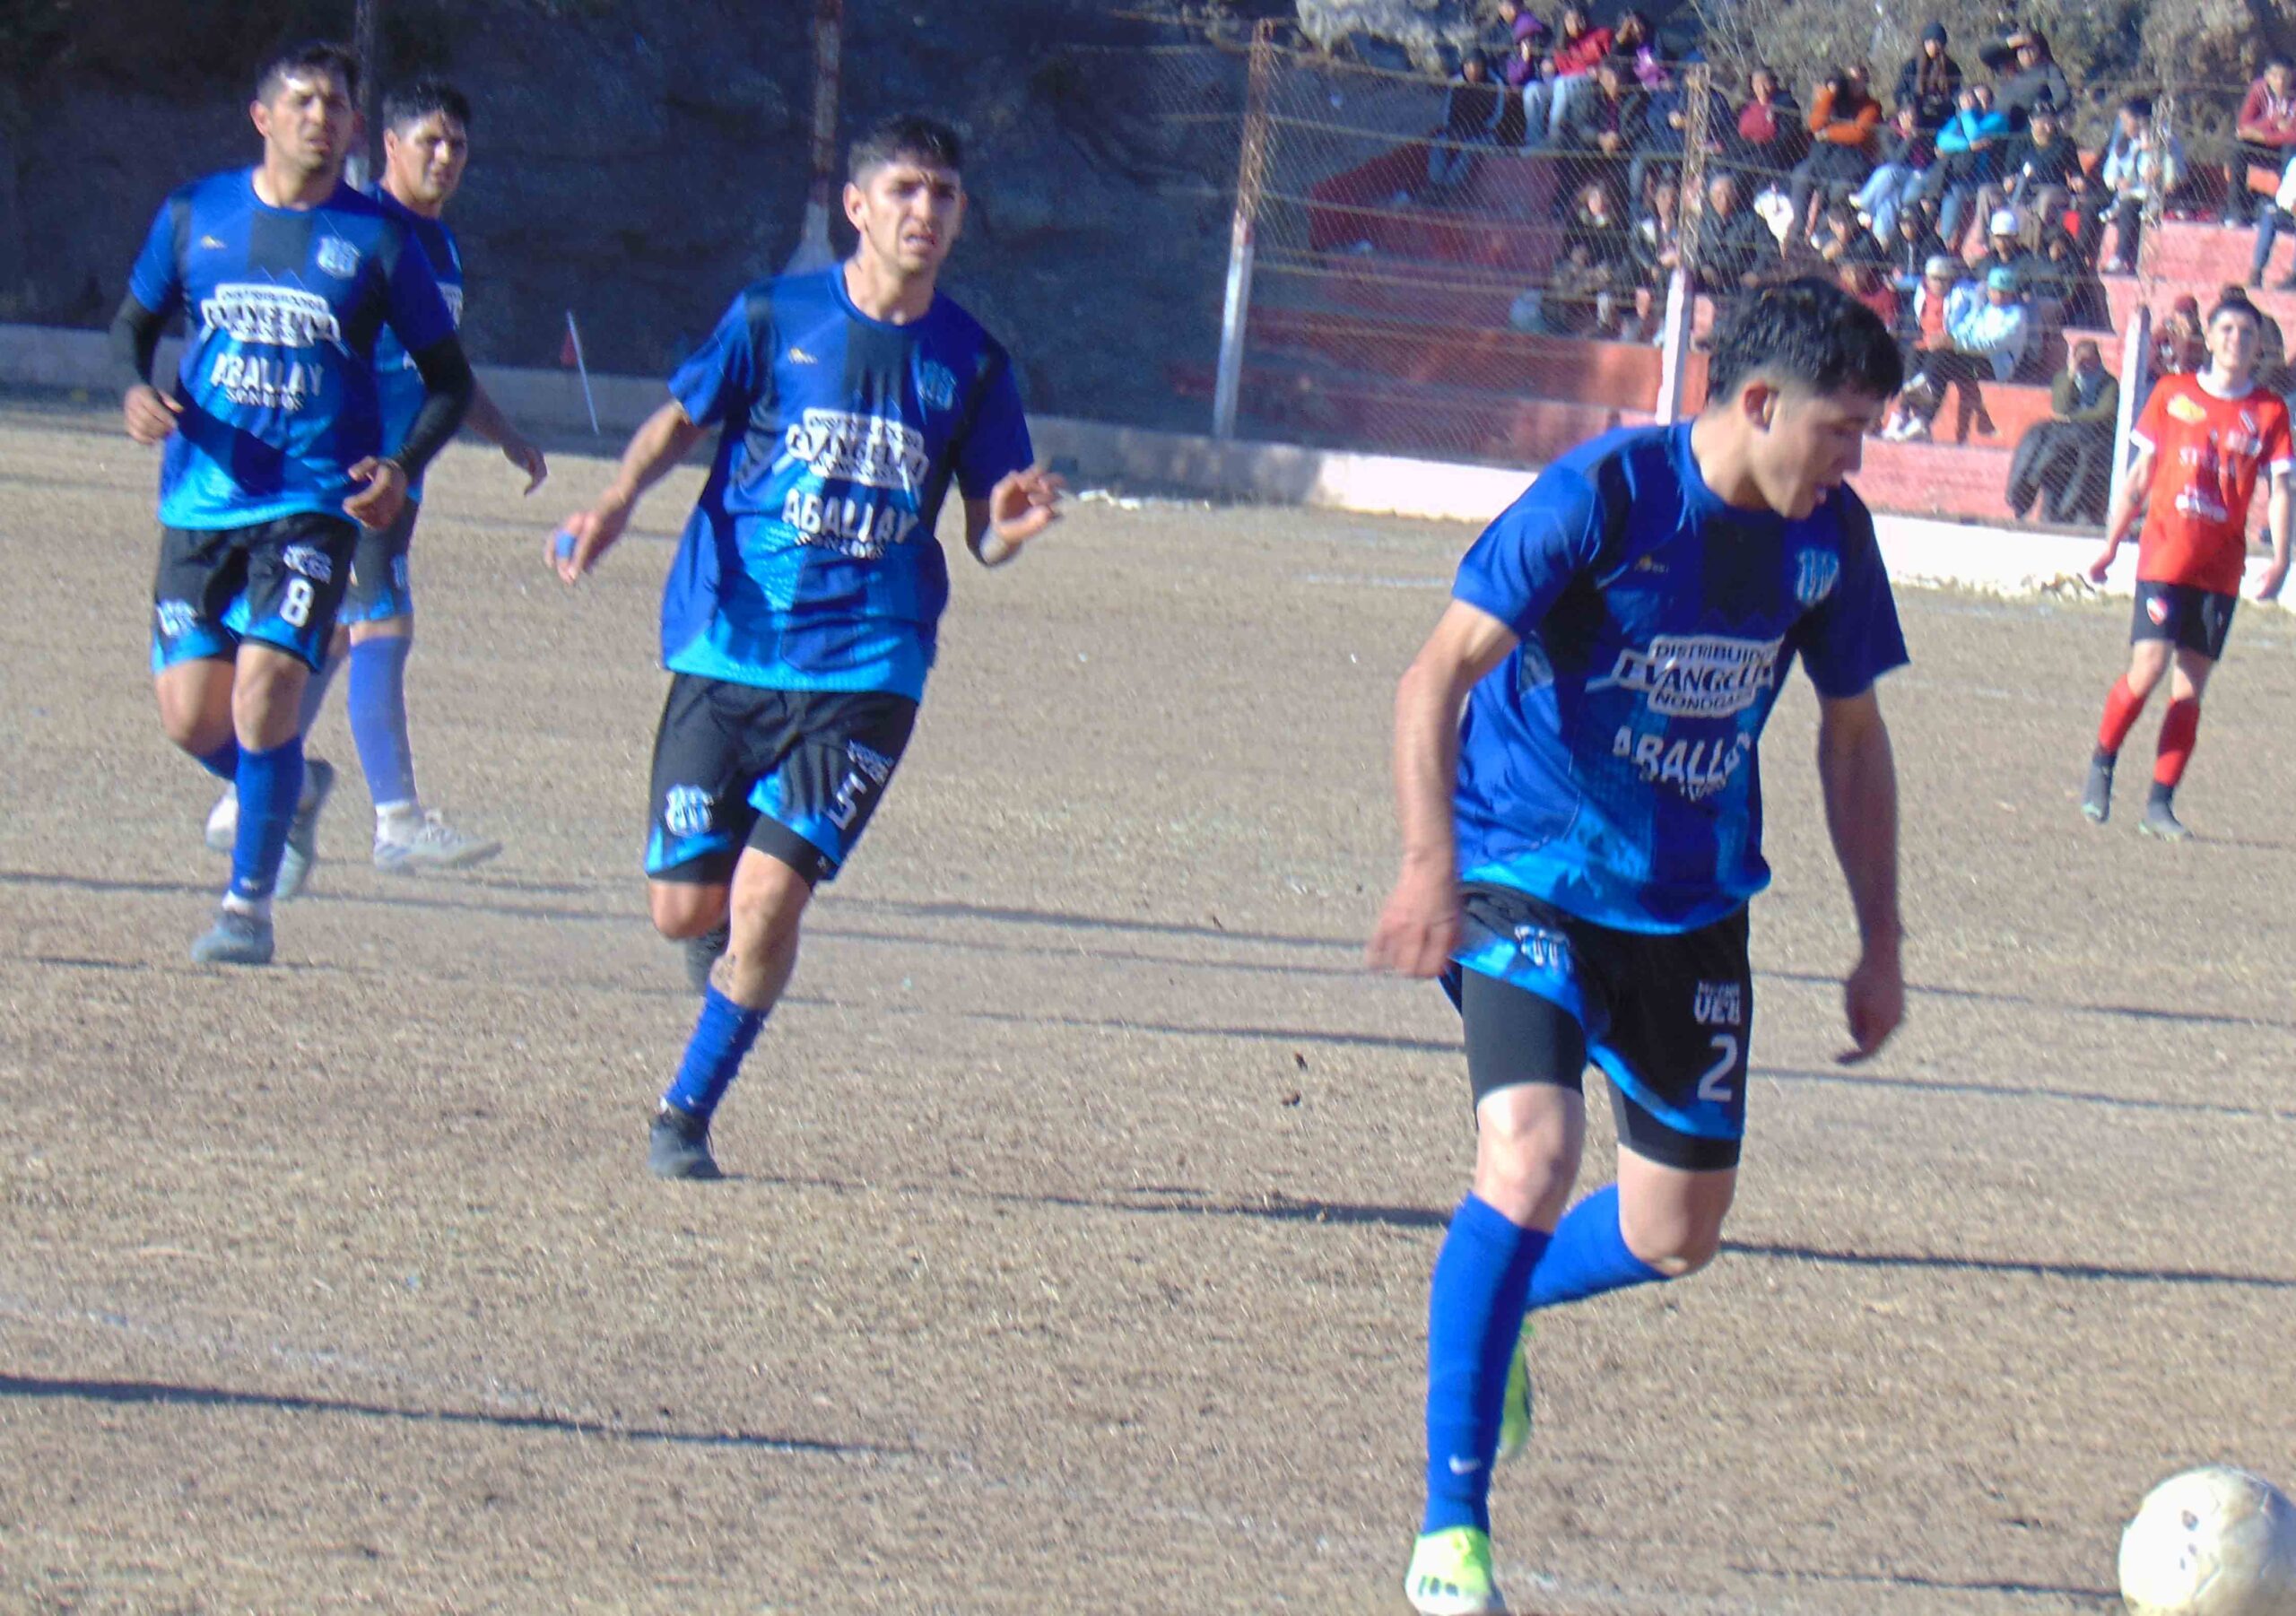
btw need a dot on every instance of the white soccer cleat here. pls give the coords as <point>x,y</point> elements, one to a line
<point>223,821</point>
<point>429,843</point>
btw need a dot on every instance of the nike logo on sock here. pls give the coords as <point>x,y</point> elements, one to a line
<point>1465,1467</point>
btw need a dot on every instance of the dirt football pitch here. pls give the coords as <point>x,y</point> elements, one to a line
<point>1084,1189</point>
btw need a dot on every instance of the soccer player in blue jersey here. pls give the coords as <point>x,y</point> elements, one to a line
<point>798,621</point>
<point>1580,846</point>
<point>426,143</point>
<point>274,454</point>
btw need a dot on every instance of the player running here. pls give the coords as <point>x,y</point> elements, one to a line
<point>1577,855</point>
<point>426,143</point>
<point>274,432</point>
<point>799,619</point>
<point>2208,435</point>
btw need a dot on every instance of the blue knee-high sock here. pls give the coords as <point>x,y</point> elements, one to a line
<point>270,783</point>
<point>721,1038</point>
<point>1588,1255</point>
<point>1474,1315</point>
<point>378,702</point>
<point>315,692</point>
<point>224,763</point>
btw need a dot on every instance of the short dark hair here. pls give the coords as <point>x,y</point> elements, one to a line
<point>1806,333</point>
<point>2234,301</point>
<point>920,139</point>
<point>412,103</point>
<point>2138,107</point>
<point>310,56</point>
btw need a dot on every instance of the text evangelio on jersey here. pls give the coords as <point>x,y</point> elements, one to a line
<point>397,382</point>
<point>2206,453</point>
<point>1609,765</point>
<point>810,561</point>
<point>283,308</point>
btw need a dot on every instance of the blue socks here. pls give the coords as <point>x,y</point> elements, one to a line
<point>1588,1255</point>
<point>224,763</point>
<point>270,783</point>
<point>721,1038</point>
<point>1474,1315</point>
<point>377,703</point>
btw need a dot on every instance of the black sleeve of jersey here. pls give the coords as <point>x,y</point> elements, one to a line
<point>446,388</point>
<point>135,339</point>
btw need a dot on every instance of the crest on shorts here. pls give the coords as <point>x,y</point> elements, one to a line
<point>177,618</point>
<point>2157,610</point>
<point>312,562</point>
<point>338,258</point>
<point>1815,573</point>
<point>688,810</point>
<point>871,762</point>
<point>936,386</point>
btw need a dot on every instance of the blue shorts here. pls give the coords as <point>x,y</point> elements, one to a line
<point>380,589</point>
<point>795,774</point>
<point>279,584</point>
<point>1667,1017</point>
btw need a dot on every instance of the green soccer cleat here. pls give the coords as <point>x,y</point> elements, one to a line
<point>1450,1575</point>
<point>1515,1413</point>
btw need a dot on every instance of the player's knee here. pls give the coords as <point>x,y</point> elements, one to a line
<point>1525,1168</point>
<point>1674,1244</point>
<point>684,910</point>
<point>768,899</point>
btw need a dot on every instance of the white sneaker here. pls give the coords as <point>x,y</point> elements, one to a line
<point>429,843</point>
<point>223,821</point>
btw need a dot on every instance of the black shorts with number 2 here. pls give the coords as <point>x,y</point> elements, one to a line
<point>1665,1015</point>
<point>795,774</point>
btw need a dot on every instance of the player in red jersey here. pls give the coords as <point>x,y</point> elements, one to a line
<point>2200,444</point>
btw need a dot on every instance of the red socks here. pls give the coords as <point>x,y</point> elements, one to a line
<point>2178,731</point>
<point>2121,707</point>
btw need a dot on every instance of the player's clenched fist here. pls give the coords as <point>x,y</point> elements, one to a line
<point>150,413</point>
<point>585,536</point>
<point>1420,925</point>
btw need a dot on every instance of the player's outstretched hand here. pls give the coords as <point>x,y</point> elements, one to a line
<point>385,495</point>
<point>1874,1000</point>
<point>2268,586</point>
<point>1420,925</point>
<point>2104,561</point>
<point>1023,505</point>
<point>585,537</point>
<point>528,459</point>
<point>150,413</point>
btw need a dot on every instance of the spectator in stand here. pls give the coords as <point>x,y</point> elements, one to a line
<point>1931,349</point>
<point>1986,336</point>
<point>1930,83</point>
<point>1771,139</point>
<point>1656,247</point>
<point>2040,172</point>
<point>1636,47</point>
<point>1907,151</point>
<point>2062,276</point>
<point>1666,125</point>
<point>1968,160</point>
<point>1736,248</point>
<point>2179,347</point>
<point>1579,48</point>
<point>1583,298</point>
<point>1469,117</point>
<point>2004,245</point>
<point>1910,248</point>
<point>1608,122</point>
<point>2280,214</point>
<point>1840,239</point>
<point>2065,464</point>
<point>1866,281</point>
<point>2267,132</point>
<point>1842,121</point>
<point>2036,79</point>
<point>2142,164</point>
<point>1526,73</point>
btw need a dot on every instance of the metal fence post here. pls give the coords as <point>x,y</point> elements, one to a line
<point>2136,365</point>
<point>1251,176</point>
<point>1681,317</point>
<point>366,164</point>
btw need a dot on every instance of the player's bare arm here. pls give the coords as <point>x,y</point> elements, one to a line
<point>2128,506</point>
<point>658,444</point>
<point>1420,925</point>
<point>2277,515</point>
<point>1858,776</point>
<point>486,419</point>
<point>1022,505</point>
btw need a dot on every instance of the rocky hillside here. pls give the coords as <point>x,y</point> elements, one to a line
<point>636,161</point>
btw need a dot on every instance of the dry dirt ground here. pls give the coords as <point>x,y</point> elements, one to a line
<point>1085,1188</point>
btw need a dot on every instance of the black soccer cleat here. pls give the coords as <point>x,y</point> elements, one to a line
<point>2097,797</point>
<point>702,954</point>
<point>679,1147</point>
<point>2161,819</point>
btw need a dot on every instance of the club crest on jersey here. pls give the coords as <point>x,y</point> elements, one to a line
<point>936,386</point>
<point>338,258</point>
<point>1815,573</point>
<point>688,810</point>
<point>2190,410</point>
<point>312,563</point>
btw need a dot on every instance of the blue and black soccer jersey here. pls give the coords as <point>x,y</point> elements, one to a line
<point>1609,766</point>
<point>810,562</point>
<point>281,311</point>
<point>397,380</point>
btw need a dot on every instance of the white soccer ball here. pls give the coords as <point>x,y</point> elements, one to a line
<point>2212,1542</point>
